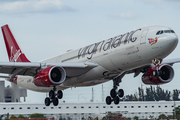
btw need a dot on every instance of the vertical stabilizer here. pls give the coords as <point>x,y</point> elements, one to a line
<point>13,50</point>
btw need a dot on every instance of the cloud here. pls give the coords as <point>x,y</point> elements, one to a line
<point>158,1</point>
<point>154,1</point>
<point>124,15</point>
<point>33,6</point>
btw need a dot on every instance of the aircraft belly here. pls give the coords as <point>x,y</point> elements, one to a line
<point>132,54</point>
<point>120,59</point>
<point>93,75</point>
<point>125,57</point>
<point>106,62</point>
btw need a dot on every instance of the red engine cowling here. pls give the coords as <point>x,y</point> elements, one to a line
<point>167,74</point>
<point>50,76</point>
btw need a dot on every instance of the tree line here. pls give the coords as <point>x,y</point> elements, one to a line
<point>153,94</point>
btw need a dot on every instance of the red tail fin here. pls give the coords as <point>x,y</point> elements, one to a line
<point>14,52</point>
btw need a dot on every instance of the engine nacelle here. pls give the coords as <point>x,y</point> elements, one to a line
<point>50,76</point>
<point>167,74</point>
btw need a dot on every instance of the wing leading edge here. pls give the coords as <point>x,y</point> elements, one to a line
<point>171,61</point>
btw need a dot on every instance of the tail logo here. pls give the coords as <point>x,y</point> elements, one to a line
<point>13,58</point>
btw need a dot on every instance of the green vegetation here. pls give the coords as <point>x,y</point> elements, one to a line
<point>12,117</point>
<point>176,114</point>
<point>136,118</point>
<point>21,116</point>
<point>6,118</point>
<point>170,117</point>
<point>151,117</point>
<point>153,94</point>
<point>162,116</point>
<point>36,115</point>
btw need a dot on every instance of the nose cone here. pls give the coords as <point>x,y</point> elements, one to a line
<point>172,40</point>
<point>169,43</point>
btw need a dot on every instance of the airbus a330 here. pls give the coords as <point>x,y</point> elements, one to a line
<point>139,51</point>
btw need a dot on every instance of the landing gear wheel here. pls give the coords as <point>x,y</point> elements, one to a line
<point>116,100</point>
<point>108,100</point>
<point>51,94</point>
<point>120,92</point>
<point>159,72</point>
<point>113,93</point>
<point>59,94</point>
<point>53,97</point>
<point>155,73</point>
<point>55,101</point>
<point>47,101</point>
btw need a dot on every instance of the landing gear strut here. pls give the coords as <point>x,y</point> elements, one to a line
<point>114,93</point>
<point>53,97</point>
<point>157,62</point>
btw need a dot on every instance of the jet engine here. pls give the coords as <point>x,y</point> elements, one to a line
<point>165,75</point>
<point>50,76</point>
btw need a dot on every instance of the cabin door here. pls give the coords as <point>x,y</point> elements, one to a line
<point>143,36</point>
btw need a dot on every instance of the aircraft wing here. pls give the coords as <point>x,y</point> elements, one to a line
<point>171,61</point>
<point>31,69</point>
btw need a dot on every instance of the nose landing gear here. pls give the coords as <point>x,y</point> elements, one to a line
<point>115,93</point>
<point>53,97</point>
<point>157,62</point>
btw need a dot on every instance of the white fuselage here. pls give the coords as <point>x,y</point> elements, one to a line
<point>121,53</point>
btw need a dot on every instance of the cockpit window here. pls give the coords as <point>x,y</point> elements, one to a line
<point>172,31</point>
<point>164,31</point>
<point>158,33</point>
<point>161,32</point>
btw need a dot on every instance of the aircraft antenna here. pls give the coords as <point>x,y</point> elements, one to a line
<point>102,93</point>
<point>92,100</point>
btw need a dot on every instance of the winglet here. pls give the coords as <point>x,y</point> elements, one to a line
<point>13,50</point>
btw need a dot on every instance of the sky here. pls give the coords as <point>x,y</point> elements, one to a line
<point>46,28</point>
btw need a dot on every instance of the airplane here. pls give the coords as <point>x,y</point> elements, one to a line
<point>138,51</point>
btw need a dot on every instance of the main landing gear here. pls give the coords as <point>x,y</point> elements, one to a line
<point>115,93</point>
<point>53,97</point>
<point>157,62</point>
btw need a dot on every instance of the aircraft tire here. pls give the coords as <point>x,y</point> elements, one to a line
<point>120,92</point>
<point>116,100</point>
<point>155,73</point>
<point>55,101</point>
<point>159,72</point>
<point>113,93</point>
<point>108,100</point>
<point>60,94</point>
<point>51,94</point>
<point>47,101</point>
